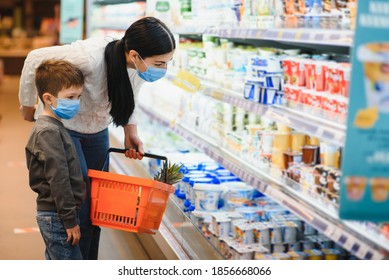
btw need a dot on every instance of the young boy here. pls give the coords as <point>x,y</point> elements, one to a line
<point>52,161</point>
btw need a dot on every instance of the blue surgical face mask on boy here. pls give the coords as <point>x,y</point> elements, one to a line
<point>66,108</point>
<point>151,74</point>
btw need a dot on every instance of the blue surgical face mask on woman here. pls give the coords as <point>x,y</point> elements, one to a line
<point>151,74</point>
<point>66,108</point>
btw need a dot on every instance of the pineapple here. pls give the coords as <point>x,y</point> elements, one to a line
<point>173,174</point>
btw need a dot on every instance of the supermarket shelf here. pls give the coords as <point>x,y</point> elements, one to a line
<point>326,130</point>
<point>328,37</point>
<point>349,235</point>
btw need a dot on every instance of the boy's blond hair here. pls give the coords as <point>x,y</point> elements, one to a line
<point>52,76</point>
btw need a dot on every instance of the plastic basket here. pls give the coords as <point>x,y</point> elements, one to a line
<point>127,203</point>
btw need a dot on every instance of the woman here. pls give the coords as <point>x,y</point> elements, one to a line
<point>114,72</point>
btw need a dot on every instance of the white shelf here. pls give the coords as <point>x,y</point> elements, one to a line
<point>350,235</point>
<point>330,37</point>
<point>326,130</point>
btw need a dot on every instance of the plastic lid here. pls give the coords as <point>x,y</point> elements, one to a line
<point>212,167</point>
<point>204,180</point>
<point>208,187</point>
<point>223,179</point>
<point>193,174</point>
<point>223,172</point>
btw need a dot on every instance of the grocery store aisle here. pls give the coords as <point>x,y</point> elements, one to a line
<point>19,237</point>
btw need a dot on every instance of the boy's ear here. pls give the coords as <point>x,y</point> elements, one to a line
<point>47,98</point>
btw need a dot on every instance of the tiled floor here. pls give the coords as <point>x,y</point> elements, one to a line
<point>19,237</point>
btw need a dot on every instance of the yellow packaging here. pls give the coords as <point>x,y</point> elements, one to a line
<point>281,144</point>
<point>314,254</point>
<point>298,142</point>
<point>331,254</point>
<point>379,189</point>
<point>296,255</point>
<point>282,256</point>
<point>313,141</point>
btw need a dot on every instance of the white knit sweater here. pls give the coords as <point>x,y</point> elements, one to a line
<point>88,55</point>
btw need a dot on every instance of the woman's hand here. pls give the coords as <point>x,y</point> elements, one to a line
<point>27,112</point>
<point>132,142</point>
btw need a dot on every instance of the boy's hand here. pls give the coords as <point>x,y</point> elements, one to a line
<point>74,235</point>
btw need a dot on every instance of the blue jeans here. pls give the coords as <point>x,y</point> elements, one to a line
<point>91,149</point>
<point>54,235</point>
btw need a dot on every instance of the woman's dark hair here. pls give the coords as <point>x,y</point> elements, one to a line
<point>148,36</point>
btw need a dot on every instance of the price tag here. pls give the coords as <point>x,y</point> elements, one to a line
<point>298,35</point>
<point>217,95</point>
<point>172,123</point>
<point>187,81</point>
<point>252,34</point>
<point>280,34</point>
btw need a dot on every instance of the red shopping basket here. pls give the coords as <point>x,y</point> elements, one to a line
<point>128,203</point>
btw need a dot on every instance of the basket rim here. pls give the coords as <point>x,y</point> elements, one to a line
<point>145,182</point>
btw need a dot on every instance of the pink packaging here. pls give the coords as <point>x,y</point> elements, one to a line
<point>287,66</point>
<point>313,99</point>
<point>334,78</point>
<point>309,70</point>
<point>342,107</point>
<point>287,92</point>
<point>330,104</point>
<point>345,74</point>
<point>321,69</point>
<point>295,94</point>
<point>298,77</point>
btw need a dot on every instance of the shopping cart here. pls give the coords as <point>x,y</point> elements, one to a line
<point>128,203</point>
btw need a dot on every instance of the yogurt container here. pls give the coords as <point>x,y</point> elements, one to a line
<point>261,233</point>
<point>375,60</point>
<point>268,257</point>
<point>278,248</point>
<point>242,252</point>
<point>251,213</point>
<point>207,196</point>
<point>221,224</point>
<point>296,255</point>
<point>314,254</point>
<point>331,254</point>
<point>282,256</point>
<point>198,180</point>
<point>244,233</point>
<point>239,190</point>
<point>184,186</point>
<point>289,232</point>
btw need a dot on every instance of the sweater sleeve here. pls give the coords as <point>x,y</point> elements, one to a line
<point>53,157</point>
<point>27,89</point>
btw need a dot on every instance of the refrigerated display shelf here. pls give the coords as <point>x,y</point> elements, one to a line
<point>350,235</point>
<point>326,130</point>
<point>177,236</point>
<point>327,37</point>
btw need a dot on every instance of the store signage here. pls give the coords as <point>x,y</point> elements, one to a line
<point>365,183</point>
<point>72,21</point>
<point>187,81</point>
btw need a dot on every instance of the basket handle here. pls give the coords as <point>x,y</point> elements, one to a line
<point>122,151</point>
